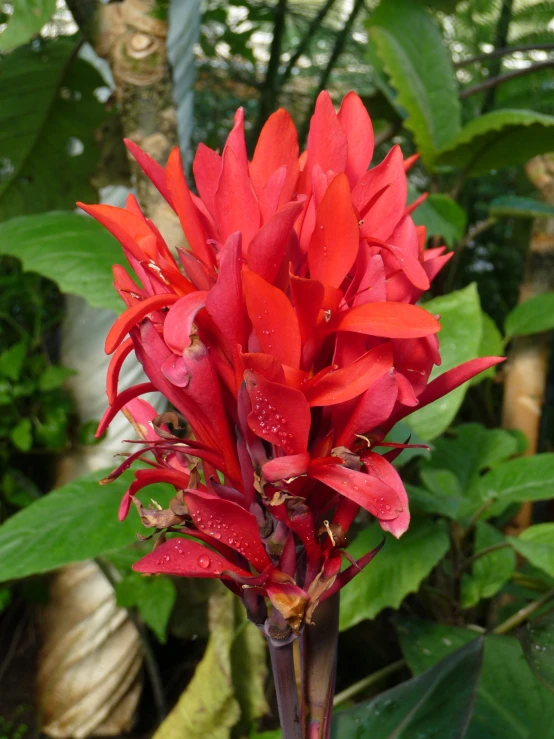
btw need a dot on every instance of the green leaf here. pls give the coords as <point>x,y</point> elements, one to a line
<point>492,345</point>
<point>5,597</point>
<point>512,206</point>
<point>531,317</point>
<point>491,571</point>
<point>72,250</point>
<point>460,337</point>
<point>48,117</point>
<point>537,641</point>
<point>54,377</point>
<point>73,523</point>
<point>441,216</point>
<point>470,449</point>
<point>22,435</point>
<point>510,702</point>
<point>153,597</point>
<point>536,544</point>
<point>515,481</point>
<point>438,703</point>
<point>11,360</point>
<point>423,501</point>
<point>28,17</point>
<point>499,139</point>
<point>397,570</point>
<point>420,68</point>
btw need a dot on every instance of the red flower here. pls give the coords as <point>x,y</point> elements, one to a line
<point>289,339</point>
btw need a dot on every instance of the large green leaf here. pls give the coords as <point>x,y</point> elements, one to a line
<point>420,68</point>
<point>72,250</point>
<point>515,481</point>
<point>531,317</point>
<point>438,703</point>
<point>499,139</point>
<point>397,570</point>
<point>460,337</point>
<point>512,206</point>
<point>491,571</point>
<point>536,544</point>
<point>510,703</point>
<point>537,640</point>
<point>153,597</point>
<point>492,345</point>
<point>28,17</point>
<point>48,117</point>
<point>441,216</point>
<point>73,523</point>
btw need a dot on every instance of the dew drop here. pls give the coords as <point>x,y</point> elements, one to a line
<point>204,561</point>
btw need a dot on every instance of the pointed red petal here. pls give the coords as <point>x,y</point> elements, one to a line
<point>273,318</point>
<point>225,302</point>
<point>357,125</point>
<point>265,365</point>
<point>371,411</point>
<point>327,145</point>
<point>268,247</point>
<point>119,401</point>
<point>140,413</point>
<point>378,467</point>
<point>151,168</point>
<point>207,170</point>
<point>134,315</point>
<point>187,558</point>
<point>235,203</point>
<point>116,362</point>
<point>277,146</point>
<point>307,296</point>
<point>178,322</point>
<point>335,241</point>
<point>281,468</point>
<point>389,320</point>
<point>236,141</point>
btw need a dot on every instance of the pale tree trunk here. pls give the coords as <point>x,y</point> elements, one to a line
<point>527,365</point>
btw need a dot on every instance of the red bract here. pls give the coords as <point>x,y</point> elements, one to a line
<point>287,336</point>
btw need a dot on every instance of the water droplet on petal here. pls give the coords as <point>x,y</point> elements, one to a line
<point>204,561</point>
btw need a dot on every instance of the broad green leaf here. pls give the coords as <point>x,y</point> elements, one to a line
<point>460,337</point>
<point>470,449</point>
<point>11,360</point>
<point>28,17</point>
<point>209,708</point>
<point>153,597</point>
<point>410,45</point>
<point>397,570</point>
<point>537,640</point>
<point>72,250</point>
<point>512,206</point>
<point>499,139</point>
<point>510,701</point>
<point>491,571</point>
<point>531,317</point>
<point>492,345</point>
<point>423,501</point>
<point>438,703</point>
<point>22,435</point>
<point>536,544</point>
<point>75,522</point>
<point>515,481</point>
<point>54,377</point>
<point>48,117</point>
<point>441,216</point>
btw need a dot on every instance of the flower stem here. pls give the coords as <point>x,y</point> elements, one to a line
<point>368,681</point>
<point>523,614</point>
<point>282,663</point>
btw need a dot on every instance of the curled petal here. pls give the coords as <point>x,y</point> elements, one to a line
<point>187,558</point>
<point>390,320</point>
<point>378,467</point>
<point>281,468</point>
<point>134,315</point>
<point>178,322</point>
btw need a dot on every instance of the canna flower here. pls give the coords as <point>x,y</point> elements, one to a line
<point>287,338</point>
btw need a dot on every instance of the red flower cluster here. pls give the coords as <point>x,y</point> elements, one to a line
<point>290,341</point>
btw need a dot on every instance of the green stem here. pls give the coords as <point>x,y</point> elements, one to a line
<point>487,550</point>
<point>367,682</point>
<point>523,614</point>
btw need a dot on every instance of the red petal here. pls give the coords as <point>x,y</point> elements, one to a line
<point>307,296</point>
<point>273,318</point>
<point>186,210</point>
<point>225,302</point>
<point>336,238</point>
<point>270,196</point>
<point>265,365</point>
<point>277,146</point>
<point>269,245</point>
<point>280,414</point>
<point>207,170</point>
<point>116,362</point>
<point>349,382</point>
<point>377,466</point>
<point>375,496</point>
<point>229,523</point>
<point>134,315</point>
<point>122,399</point>
<point>140,413</point>
<point>281,468</point>
<point>327,145</point>
<point>178,322</point>
<point>236,141</point>
<point>187,558</point>
<point>235,203</point>
<point>389,320</point>
<point>356,123</point>
<point>372,410</point>
<point>151,168</point>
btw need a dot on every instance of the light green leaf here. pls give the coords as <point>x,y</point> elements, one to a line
<point>492,345</point>
<point>72,250</point>
<point>510,701</point>
<point>438,703</point>
<point>536,544</point>
<point>460,337</point>
<point>441,216</point>
<point>515,481</point>
<point>28,17</point>
<point>73,523</point>
<point>499,139</point>
<point>54,377</point>
<point>423,501</point>
<point>410,45</point>
<point>397,570</point>
<point>512,206</point>
<point>491,571</point>
<point>22,435</point>
<point>48,117</point>
<point>537,641</point>
<point>11,360</point>
<point>531,317</point>
<point>153,597</point>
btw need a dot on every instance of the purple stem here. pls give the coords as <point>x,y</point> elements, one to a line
<point>282,663</point>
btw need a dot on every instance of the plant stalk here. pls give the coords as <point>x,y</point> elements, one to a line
<point>282,663</point>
